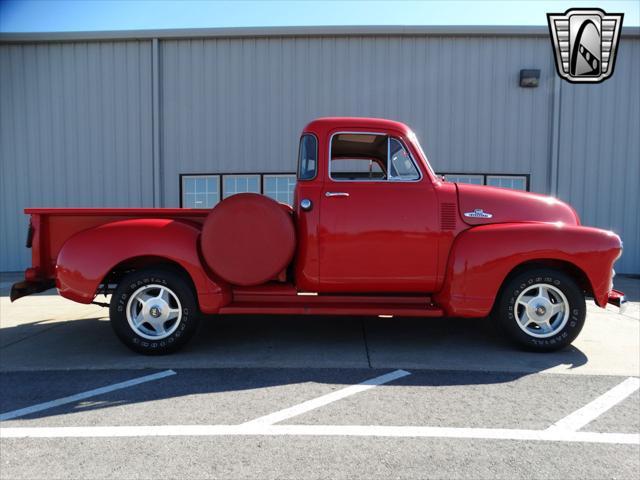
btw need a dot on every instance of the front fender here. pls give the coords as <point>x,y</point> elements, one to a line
<point>482,257</point>
<point>88,256</point>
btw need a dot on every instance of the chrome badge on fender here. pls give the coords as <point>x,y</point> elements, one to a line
<point>478,213</point>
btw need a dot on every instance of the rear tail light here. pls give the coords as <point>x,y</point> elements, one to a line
<point>30,233</point>
<point>31,274</point>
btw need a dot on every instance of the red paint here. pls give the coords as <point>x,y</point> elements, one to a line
<point>508,206</point>
<point>394,248</point>
<point>89,255</point>
<point>248,239</point>
<point>482,257</point>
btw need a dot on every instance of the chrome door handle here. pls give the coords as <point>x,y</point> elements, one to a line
<point>336,194</point>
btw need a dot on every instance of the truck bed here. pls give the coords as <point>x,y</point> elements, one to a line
<point>49,228</point>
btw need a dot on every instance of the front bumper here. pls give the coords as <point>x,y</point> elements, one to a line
<point>617,299</point>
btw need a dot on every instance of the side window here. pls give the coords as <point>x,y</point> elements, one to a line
<point>473,179</point>
<point>233,184</point>
<point>401,167</point>
<point>357,169</point>
<point>517,182</point>
<point>279,187</point>
<point>507,181</point>
<point>308,158</point>
<point>200,191</point>
<point>370,157</point>
<point>358,156</point>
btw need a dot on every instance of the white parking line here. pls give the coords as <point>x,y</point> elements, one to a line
<point>566,430</point>
<point>321,430</point>
<point>81,396</point>
<point>581,417</point>
<point>326,399</point>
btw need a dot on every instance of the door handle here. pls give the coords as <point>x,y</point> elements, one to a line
<point>336,194</point>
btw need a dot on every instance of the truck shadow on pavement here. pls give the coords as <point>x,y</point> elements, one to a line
<point>283,342</point>
<point>43,361</point>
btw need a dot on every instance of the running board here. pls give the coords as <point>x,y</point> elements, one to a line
<point>312,308</point>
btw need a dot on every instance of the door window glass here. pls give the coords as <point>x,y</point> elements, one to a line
<point>370,157</point>
<point>401,166</point>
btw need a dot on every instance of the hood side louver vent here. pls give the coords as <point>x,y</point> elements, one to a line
<point>448,216</point>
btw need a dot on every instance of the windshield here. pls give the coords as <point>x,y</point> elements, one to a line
<point>416,142</point>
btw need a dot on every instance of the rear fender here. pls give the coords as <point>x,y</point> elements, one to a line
<point>88,256</point>
<point>482,258</point>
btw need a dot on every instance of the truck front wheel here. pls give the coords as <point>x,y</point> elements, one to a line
<point>541,310</point>
<point>154,311</point>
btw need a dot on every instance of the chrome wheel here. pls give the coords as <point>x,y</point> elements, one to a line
<point>154,312</point>
<point>542,310</point>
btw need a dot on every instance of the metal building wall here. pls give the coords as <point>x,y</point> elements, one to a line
<point>599,152</point>
<point>77,118</point>
<point>238,105</point>
<point>75,126</point>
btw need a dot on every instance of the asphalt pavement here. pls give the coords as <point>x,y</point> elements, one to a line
<point>298,397</point>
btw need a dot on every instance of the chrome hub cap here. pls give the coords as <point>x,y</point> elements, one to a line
<point>154,312</point>
<point>542,310</point>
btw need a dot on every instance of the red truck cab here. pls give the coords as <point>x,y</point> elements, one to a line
<point>373,231</point>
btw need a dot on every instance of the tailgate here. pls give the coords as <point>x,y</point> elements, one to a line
<point>38,277</point>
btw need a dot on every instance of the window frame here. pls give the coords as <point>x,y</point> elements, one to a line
<point>389,137</point>
<point>471,175</point>
<point>220,181</point>
<point>222,177</point>
<point>182,177</point>
<point>264,178</point>
<point>509,177</point>
<point>299,166</point>
<point>406,149</point>
<point>525,176</point>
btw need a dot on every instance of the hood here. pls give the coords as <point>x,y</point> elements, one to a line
<point>481,205</point>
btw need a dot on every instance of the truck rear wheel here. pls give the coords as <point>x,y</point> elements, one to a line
<point>541,310</point>
<point>154,311</point>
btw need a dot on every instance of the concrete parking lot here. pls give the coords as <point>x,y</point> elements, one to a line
<point>265,397</point>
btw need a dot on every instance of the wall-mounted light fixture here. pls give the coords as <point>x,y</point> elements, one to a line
<point>529,78</point>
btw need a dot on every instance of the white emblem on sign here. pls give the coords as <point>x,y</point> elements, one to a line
<point>478,213</point>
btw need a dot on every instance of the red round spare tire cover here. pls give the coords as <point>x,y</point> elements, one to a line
<point>248,239</point>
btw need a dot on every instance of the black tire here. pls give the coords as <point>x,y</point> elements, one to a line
<point>187,322</point>
<point>506,310</point>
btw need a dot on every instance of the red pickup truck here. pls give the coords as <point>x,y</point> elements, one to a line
<point>373,231</point>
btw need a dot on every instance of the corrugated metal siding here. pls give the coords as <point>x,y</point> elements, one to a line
<point>76,118</point>
<point>238,105</point>
<point>75,126</point>
<point>599,152</point>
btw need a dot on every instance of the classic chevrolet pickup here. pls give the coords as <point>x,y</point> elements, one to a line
<point>373,231</point>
